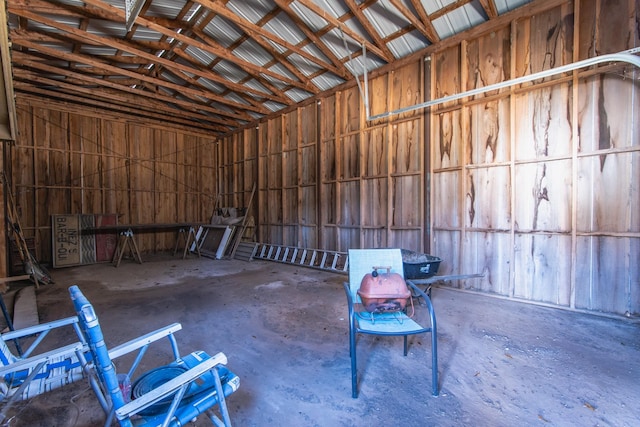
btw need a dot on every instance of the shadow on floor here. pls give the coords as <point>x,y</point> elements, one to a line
<point>284,330</point>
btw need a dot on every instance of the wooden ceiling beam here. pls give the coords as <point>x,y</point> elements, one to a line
<point>131,97</point>
<point>73,33</point>
<point>340,70</point>
<point>245,65</point>
<point>373,33</point>
<point>256,32</point>
<point>81,105</point>
<point>338,24</point>
<point>490,8</point>
<point>21,58</point>
<point>119,44</point>
<point>421,22</point>
<point>115,104</point>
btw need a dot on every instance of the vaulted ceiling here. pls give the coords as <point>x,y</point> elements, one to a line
<point>218,65</point>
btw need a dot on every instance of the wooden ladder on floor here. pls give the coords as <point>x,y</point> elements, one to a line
<point>334,261</point>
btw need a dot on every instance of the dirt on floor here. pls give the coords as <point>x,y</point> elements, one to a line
<point>285,333</point>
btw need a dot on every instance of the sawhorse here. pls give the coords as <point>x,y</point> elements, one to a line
<point>189,237</point>
<point>126,241</point>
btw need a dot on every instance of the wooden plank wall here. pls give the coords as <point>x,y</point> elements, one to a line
<point>535,186</point>
<point>545,175</point>
<point>70,162</point>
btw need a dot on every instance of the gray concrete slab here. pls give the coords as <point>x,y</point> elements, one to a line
<point>284,330</point>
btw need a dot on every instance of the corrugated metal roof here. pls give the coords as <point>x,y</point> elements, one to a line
<point>258,55</point>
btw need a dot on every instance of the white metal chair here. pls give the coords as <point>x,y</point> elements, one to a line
<point>25,375</point>
<point>361,262</point>
<point>173,395</point>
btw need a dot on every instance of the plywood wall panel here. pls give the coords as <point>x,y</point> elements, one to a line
<point>309,124</point>
<point>207,174</point>
<point>406,147</point>
<point>290,235</point>
<point>308,237</point>
<point>616,14</point>
<point>487,253</point>
<point>349,118</point>
<point>291,131</point>
<point>543,196</point>
<point>406,193</point>
<point>275,170</point>
<point>142,179</point>
<point>379,95</point>
<point>328,237</point>
<point>348,238</point>
<point>187,179</point>
<point>487,198</point>
<point>490,132</point>
<point>308,205</point>
<point>328,213</point>
<point>586,26</point>
<point>275,136</point>
<point>406,89</point>
<point>488,60</point>
<point>603,282</point>
<point>376,194</point>
<point>606,187</point>
<point>549,39</point>
<point>274,206</point>
<point>349,203</point>
<point>374,152</point>
<point>406,239</point>
<point>290,205</point>
<point>447,77</point>
<point>604,102</point>
<point>447,245</point>
<point>445,199</point>
<point>117,147</point>
<point>375,238</point>
<point>545,125</point>
<point>350,157</point>
<point>290,168</point>
<point>308,165</point>
<point>275,234</point>
<point>164,158</point>
<point>329,118</point>
<point>448,145</point>
<point>22,167</point>
<point>328,162</point>
<point>542,268</point>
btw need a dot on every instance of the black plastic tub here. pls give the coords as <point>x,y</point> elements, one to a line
<point>419,266</point>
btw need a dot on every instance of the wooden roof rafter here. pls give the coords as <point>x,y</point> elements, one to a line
<point>73,33</point>
<point>82,59</point>
<point>178,53</point>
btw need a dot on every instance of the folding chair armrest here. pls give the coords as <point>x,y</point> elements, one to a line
<point>170,386</point>
<point>30,362</point>
<point>36,329</point>
<point>347,290</point>
<point>147,339</point>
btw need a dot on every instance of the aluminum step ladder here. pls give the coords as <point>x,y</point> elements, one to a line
<point>334,261</point>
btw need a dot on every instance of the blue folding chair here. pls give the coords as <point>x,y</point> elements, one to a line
<point>171,395</point>
<point>32,372</point>
<point>361,262</point>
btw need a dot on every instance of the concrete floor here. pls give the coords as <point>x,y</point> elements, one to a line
<point>284,330</point>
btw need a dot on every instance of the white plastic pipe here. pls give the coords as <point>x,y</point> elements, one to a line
<point>626,56</point>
